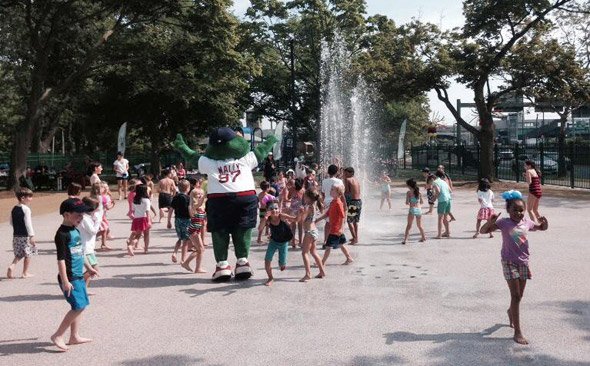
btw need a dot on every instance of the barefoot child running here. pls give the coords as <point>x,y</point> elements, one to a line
<point>414,200</point>
<point>385,190</point>
<point>515,252</point>
<point>264,198</point>
<point>71,263</point>
<point>280,236</point>
<point>182,219</point>
<point>23,237</point>
<point>485,196</point>
<point>88,228</point>
<point>141,222</point>
<point>336,215</point>
<point>196,227</point>
<point>312,234</point>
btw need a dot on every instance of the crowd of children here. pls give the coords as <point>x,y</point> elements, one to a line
<point>288,205</point>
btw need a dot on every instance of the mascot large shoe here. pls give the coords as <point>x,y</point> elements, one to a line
<point>232,205</point>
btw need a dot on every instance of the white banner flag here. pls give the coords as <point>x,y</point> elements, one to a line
<point>401,140</point>
<point>277,149</point>
<point>122,137</point>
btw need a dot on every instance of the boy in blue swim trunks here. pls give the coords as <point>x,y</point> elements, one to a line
<point>182,219</point>
<point>70,263</point>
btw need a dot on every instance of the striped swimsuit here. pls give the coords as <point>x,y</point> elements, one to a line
<point>535,187</point>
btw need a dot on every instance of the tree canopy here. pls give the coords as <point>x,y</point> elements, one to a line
<point>168,66</point>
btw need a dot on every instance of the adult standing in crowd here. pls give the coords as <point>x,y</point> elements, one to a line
<point>94,170</point>
<point>121,168</point>
<point>269,167</point>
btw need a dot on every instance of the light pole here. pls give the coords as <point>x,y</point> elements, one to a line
<point>292,104</point>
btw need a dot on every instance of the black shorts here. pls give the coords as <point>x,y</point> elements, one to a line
<point>164,200</point>
<point>230,213</point>
<point>335,241</point>
<point>125,177</point>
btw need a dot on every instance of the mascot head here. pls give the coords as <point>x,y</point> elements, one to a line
<point>225,143</point>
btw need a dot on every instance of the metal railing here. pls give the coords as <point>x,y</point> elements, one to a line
<point>568,166</point>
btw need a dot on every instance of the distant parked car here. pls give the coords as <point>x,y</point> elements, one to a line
<point>555,156</point>
<point>549,165</point>
<point>505,155</point>
<point>4,167</point>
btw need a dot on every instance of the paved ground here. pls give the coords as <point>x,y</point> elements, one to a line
<point>439,303</point>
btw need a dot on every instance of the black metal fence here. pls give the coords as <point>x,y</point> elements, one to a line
<point>569,166</point>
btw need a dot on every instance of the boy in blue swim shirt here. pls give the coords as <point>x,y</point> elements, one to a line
<point>70,263</point>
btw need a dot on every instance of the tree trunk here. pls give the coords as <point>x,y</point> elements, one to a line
<point>486,135</point>
<point>155,156</point>
<point>45,144</point>
<point>24,133</point>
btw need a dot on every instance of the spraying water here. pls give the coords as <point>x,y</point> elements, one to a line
<point>346,112</point>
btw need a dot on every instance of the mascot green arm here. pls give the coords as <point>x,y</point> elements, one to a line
<point>262,149</point>
<point>186,152</point>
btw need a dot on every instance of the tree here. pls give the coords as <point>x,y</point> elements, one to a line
<point>554,76</point>
<point>276,28</point>
<point>50,45</point>
<point>494,32</point>
<point>184,75</point>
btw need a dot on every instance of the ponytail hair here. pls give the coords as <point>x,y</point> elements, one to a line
<point>533,165</point>
<point>484,185</point>
<point>315,197</point>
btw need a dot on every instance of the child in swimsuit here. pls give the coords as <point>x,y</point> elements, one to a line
<point>280,235</point>
<point>195,228</point>
<point>414,200</point>
<point>264,198</point>
<point>385,190</point>
<point>312,199</point>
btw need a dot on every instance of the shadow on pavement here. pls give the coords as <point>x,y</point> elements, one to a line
<point>8,348</point>
<point>226,289</point>
<point>161,264</point>
<point>377,361</point>
<point>468,348</point>
<point>135,281</point>
<point>165,360</point>
<point>390,338</point>
<point>578,313</point>
<point>38,297</point>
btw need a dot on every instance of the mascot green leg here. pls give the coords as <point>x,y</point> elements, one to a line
<point>242,239</point>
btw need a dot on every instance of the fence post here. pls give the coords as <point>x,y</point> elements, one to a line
<point>516,164</point>
<point>542,161</point>
<point>411,154</point>
<point>449,159</point>
<point>463,152</point>
<point>496,160</point>
<point>437,156</point>
<point>478,161</point>
<point>572,159</point>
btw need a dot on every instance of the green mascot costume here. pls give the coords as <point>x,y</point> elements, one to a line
<point>232,204</point>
